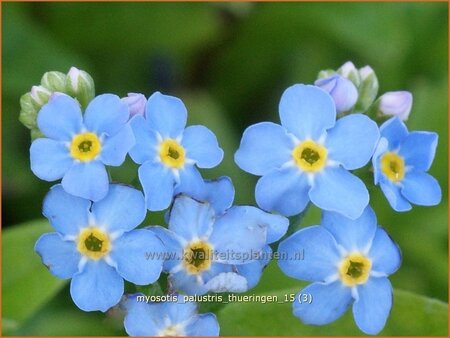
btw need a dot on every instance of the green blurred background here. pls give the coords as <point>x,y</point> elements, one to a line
<point>230,63</point>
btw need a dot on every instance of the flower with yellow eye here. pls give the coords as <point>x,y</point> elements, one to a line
<point>348,262</point>
<point>168,152</point>
<point>401,162</point>
<point>76,148</point>
<point>308,156</point>
<point>96,245</point>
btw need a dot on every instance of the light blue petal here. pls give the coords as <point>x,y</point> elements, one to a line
<point>166,114</point>
<point>191,219</point>
<point>418,149</point>
<point>123,209</point>
<point>106,114</point>
<point>227,282</point>
<point>237,235</point>
<point>201,146</point>
<point>329,302</point>
<point>205,325</point>
<point>178,312</point>
<point>49,159</point>
<point>115,148</point>
<point>190,182</point>
<point>60,119</point>
<point>97,288</point>
<point>87,180</point>
<point>394,197</point>
<point>264,146</point>
<point>310,254</point>
<point>335,189</point>
<point>60,257</point>
<point>158,184</point>
<point>187,283</point>
<point>385,253</point>
<point>172,243</point>
<point>353,235</point>
<point>283,190</point>
<point>66,213</point>
<point>146,145</point>
<point>395,131</point>
<point>352,141</point>
<point>307,111</point>
<point>142,319</point>
<point>253,271</point>
<point>421,188</point>
<point>381,148</point>
<point>136,255</point>
<point>372,308</point>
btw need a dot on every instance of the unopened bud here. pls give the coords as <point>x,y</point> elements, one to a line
<point>80,85</point>
<point>342,90</point>
<point>397,103</point>
<point>136,103</point>
<point>54,81</point>
<point>349,71</point>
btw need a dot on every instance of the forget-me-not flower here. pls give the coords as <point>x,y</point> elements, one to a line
<point>167,319</point>
<point>96,246</point>
<point>169,153</point>
<point>76,148</point>
<point>400,163</point>
<point>307,158</point>
<point>348,262</point>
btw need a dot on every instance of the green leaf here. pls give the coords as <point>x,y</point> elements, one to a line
<point>411,315</point>
<point>27,284</point>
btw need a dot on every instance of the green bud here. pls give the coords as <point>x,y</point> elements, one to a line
<point>80,85</point>
<point>54,81</point>
<point>36,133</point>
<point>28,111</point>
<point>325,73</point>
<point>349,71</point>
<point>368,89</point>
<point>39,96</point>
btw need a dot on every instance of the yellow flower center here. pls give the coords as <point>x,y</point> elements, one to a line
<point>310,156</point>
<point>393,166</point>
<point>93,243</point>
<point>354,269</point>
<point>85,147</point>
<point>172,153</point>
<point>197,257</point>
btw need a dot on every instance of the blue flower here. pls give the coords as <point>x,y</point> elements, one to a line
<point>348,262</point>
<point>77,148</point>
<point>96,246</point>
<point>169,153</point>
<point>204,248</point>
<point>400,163</point>
<point>168,318</point>
<point>307,158</point>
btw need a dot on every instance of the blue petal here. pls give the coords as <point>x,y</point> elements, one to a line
<point>394,197</point>
<point>201,146</point>
<point>372,308</point>
<point>395,131</point>
<point>67,214</point>
<point>381,148</point>
<point>384,253</point>
<point>219,193</point>
<point>253,271</point>
<point>49,159</point>
<point>352,141</point>
<point>335,189</point>
<point>97,288</point>
<point>60,257</point>
<point>216,269</point>
<point>283,190</point>
<point>146,141</point>
<point>87,180</point>
<point>166,114</point>
<point>310,254</point>
<point>158,184</point>
<point>60,119</point>
<point>179,311</point>
<point>115,148</point>
<point>227,282</point>
<point>123,209</point>
<point>205,325</point>
<point>191,219</point>
<point>328,303</point>
<point>418,149</point>
<point>237,235</point>
<point>353,235</point>
<point>106,114</point>
<point>421,188</point>
<point>307,111</point>
<point>264,146</point>
<point>172,243</point>
<point>133,252</point>
<point>187,283</point>
<point>190,182</point>
<point>142,319</point>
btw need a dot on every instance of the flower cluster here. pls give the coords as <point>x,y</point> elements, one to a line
<point>327,130</point>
